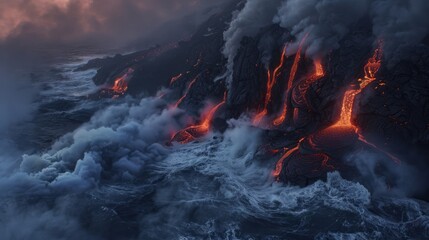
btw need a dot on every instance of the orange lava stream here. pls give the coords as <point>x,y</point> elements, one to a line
<point>325,160</point>
<point>175,78</point>
<point>186,92</point>
<point>280,119</point>
<point>299,96</point>
<point>120,85</point>
<point>271,80</point>
<point>395,159</point>
<point>191,133</point>
<point>371,69</point>
<point>279,164</point>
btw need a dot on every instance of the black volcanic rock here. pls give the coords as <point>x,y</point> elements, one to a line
<point>392,112</point>
<point>198,57</point>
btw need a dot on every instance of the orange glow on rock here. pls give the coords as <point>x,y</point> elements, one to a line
<point>279,164</point>
<point>271,80</point>
<point>395,159</point>
<point>300,92</point>
<point>175,78</point>
<point>120,85</point>
<point>186,92</point>
<point>194,132</point>
<point>370,69</point>
<point>281,118</point>
<point>343,132</point>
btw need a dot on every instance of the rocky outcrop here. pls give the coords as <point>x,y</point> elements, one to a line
<point>392,112</point>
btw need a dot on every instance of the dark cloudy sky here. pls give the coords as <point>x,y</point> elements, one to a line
<point>103,22</point>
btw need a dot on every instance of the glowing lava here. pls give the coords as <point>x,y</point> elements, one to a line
<point>300,92</point>
<point>191,133</point>
<point>281,118</point>
<point>341,135</point>
<point>175,78</point>
<point>186,92</point>
<point>279,165</point>
<point>371,69</point>
<point>271,80</point>
<point>120,85</point>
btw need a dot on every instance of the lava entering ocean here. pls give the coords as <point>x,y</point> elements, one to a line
<point>191,133</point>
<point>120,85</point>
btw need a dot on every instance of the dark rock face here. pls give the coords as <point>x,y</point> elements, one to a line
<point>392,111</point>
<point>198,58</point>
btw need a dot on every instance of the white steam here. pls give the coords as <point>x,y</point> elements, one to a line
<point>255,15</point>
<point>385,177</point>
<point>325,21</point>
<point>120,140</point>
<point>400,24</point>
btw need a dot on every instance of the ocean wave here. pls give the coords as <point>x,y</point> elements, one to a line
<point>120,172</point>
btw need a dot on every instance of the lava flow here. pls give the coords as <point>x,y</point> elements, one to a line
<point>271,80</point>
<point>175,78</point>
<point>371,69</point>
<point>332,141</point>
<point>191,133</point>
<point>300,92</point>
<point>279,165</point>
<point>186,92</point>
<point>281,118</point>
<point>120,85</point>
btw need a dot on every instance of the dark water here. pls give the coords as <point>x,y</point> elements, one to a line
<point>98,169</point>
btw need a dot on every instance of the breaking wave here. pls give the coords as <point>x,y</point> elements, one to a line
<point>114,176</point>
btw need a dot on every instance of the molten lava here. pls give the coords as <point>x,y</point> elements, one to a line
<point>175,78</point>
<point>279,165</point>
<point>371,69</point>
<point>343,133</point>
<point>191,133</point>
<point>271,80</point>
<point>120,85</point>
<point>300,92</point>
<point>280,119</point>
<point>186,92</point>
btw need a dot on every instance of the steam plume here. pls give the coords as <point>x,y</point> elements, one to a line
<point>255,15</point>
<point>400,23</point>
<point>325,21</point>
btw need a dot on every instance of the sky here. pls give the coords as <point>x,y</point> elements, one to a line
<point>109,23</point>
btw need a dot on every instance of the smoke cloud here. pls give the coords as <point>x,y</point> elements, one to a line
<point>247,22</point>
<point>325,21</point>
<point>400,24</point>
<point>384,177</point>
<point>121,138</point>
